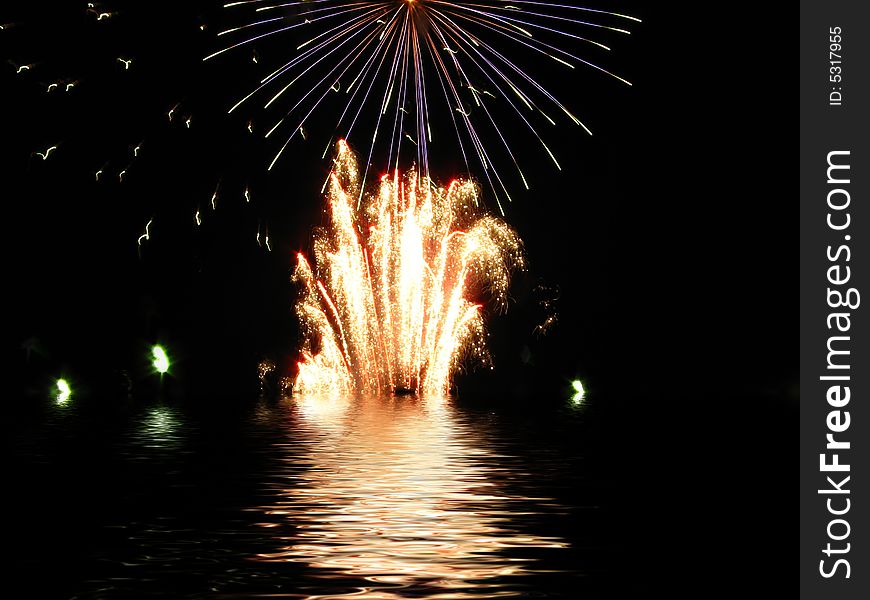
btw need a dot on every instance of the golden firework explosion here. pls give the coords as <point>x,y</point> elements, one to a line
<point>390,304</point>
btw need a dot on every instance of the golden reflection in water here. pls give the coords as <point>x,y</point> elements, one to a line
<point>395,492</point>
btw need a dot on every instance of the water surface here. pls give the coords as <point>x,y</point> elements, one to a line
<point>307,497</point>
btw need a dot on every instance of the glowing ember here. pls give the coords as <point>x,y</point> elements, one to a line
<point>579,391</point>
<point>389,306</point>
<point>161,360</point>
<point>265,369</point>
<point>63,391</point>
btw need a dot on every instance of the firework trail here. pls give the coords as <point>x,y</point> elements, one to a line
<point>104,96</point>
<point>398,62</point>
<point>388,304</point>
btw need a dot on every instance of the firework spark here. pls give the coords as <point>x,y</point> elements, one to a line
<point>579,391</point>
<point>147,234</point>
<point>124,122</point>
<point>408,58</point>
<point>161,360</point>
<point>47,153</point>
<point>389,304</point>
<point>63,392</point>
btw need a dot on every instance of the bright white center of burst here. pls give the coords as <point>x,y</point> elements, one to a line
<point>63,391</point>
<point>580,391</point>
<point>161,361</point>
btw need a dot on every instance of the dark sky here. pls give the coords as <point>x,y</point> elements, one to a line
<point>670,233</point>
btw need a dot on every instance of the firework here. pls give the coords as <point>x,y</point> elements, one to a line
<point>403,59</point>
<point>161,360</point>
<point>113,106</point>
<point>389,304</point>
<point>579,391</point>
<point>63,391</point>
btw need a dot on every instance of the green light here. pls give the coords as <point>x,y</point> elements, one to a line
<point>63,391</point>
<point>580,391</point>
<point>161,360</point>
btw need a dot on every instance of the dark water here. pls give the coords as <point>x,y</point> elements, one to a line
<point>306,498</point>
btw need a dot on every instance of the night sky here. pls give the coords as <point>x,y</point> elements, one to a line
<point>671,233</point>
<point>665,232</point>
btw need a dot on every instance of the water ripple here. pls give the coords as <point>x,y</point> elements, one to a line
<point>401,494</point>
<point>305,497</point>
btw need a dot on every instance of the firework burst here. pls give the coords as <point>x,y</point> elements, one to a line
<point>388,304</point>
<point>404,60</point>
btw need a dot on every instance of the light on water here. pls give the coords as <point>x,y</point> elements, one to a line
<point>159,430</point>
<point>374,497</point>
<point>63,391</point>
<point>404,495</point>
<point>579,391</point>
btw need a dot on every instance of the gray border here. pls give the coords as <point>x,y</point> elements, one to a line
<point>824,129</point>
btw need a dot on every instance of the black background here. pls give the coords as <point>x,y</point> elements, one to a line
<point>671,233</point>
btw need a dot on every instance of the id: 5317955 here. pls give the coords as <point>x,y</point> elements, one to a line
<point>835,70</point>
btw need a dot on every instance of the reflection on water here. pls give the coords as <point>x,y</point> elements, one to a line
<point>301,498</point>
<point>158,430</point>
<point>400,493</point>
